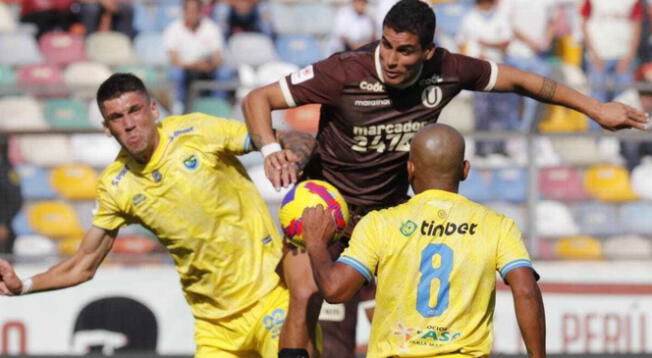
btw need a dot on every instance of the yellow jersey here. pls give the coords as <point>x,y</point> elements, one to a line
<point>436,258</point>
<point>196,196</point>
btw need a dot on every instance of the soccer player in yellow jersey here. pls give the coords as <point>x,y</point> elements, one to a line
<point>435,258</point>
<point>181,179</point>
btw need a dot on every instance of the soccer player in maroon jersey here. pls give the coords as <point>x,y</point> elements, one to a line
<point>374,100</point>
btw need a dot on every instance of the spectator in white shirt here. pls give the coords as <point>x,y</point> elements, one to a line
<point>354,26</point>
<point>194,44</point>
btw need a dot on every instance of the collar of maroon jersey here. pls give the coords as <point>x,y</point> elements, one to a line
<point>379,71</point>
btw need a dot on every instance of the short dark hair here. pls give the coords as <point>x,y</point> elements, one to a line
<point>118,84</point>
<point>413,16</point>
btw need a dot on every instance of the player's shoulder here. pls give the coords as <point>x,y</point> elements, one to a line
<point>113,175</point>
<point>364,54</point>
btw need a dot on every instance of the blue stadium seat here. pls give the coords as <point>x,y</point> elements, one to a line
<point>449,16</point>
<point>20,224</point>
<point>144,19</point>
<point>166,13</point>
<point>19,49</point>
<point>477,186</point>
<point>150,50</point>
<point>35,182</point>
<point>510,185</point>
<point>63,113</point>
<point>301,50</point>
<point>314,18</point>
<point>597,219</point>
<point>636,218</point>
<point>283,19</point>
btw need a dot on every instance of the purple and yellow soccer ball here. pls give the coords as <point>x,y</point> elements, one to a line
<point>310,193</point>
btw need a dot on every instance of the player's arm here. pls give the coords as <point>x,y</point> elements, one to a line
<point>528,305</point>
<point>611,116</point>
<point>77,269</point>
<point>257,107</point>
<point>336,281</point>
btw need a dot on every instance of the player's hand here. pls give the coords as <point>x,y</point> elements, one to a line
<point>318,226</point>
<point>281,168</point>
<point>614,115</point>
<point>10,284</point>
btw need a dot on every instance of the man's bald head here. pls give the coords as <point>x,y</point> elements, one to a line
<point>437,155</point>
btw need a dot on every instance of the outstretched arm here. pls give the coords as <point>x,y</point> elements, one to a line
<point>336,281</point>
<point>611,116</point>
<point>77,269</point>
<point>528,305</point>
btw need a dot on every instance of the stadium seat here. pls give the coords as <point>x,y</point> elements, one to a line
<point>35,182</point>
<point>74,181</point>
<point>283,19</point>
<point>166,13</point>
<point>510,185</point>
<point>146,73</point>
<point>69,246</point>
<point>27,246</point>
<point>314,18</point>
<point>7,22</point>
<point>7,77</point>
<point>269,194</point>
<point>19,49</point>
<point>459,113</point>
<point>449,16</point>
<point>45,150</point>
<point>273,71</point>
<point>549,212</point>
<point>477,186</point>
<point>597,219</point>
<point>512,211</point>
<point>84,212</point>
<point>300,50</point>
<point>576,151</point>
<point>150,50</point>
<point>304,118</point>
<point>20,224</point>
<point>133,245</point>
<point>242,45</point>
<point>44,80</point>
<point>67,114</point>
<point>86,75</point>
<point>628,247</point>
<point>578,248</point>
<point>111,48</point>
<point>96,150</point>
<point>561,119</point>
<point>636,218</point>
<point>562,183</point>
<point>54,219</point>
<point>144,17</point>
<point>609,151</point>
<point>641,183</point>
<point>62,48</point>
<point>21,113</point>
<point>213,106</point>
<point>609,183</point>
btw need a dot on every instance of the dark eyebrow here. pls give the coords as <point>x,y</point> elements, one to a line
<point>134,108</point>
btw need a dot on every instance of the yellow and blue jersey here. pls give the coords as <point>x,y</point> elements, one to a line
<point>436,258</point>
<point>196,196</point>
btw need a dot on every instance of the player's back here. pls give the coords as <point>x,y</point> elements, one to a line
<point>436,260</point>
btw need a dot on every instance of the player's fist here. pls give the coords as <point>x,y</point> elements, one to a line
<point>318,225</point>
<point>614,115</point>
<point>10,284</point>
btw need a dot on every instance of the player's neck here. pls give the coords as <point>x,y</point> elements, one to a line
<point>419,186</point>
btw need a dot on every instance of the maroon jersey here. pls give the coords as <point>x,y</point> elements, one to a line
<point>366,127</point>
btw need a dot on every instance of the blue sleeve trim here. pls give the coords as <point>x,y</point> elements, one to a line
<point>358,266</point>
<point>515,264</point>
<point>246,148</point>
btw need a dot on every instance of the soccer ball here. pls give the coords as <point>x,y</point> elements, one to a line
<point>306,194</point>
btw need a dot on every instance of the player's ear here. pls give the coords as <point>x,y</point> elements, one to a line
<point>429,51</point>
<point>466,167</point>
<point>154,108</point>
<point>410,170</point>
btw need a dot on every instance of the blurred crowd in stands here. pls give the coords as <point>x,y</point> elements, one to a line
<point>54,53</point>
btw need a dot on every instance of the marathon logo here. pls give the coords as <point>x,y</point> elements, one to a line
<point>428,228</point>
<point>120,175</point>
<point>182,131</point>
<point>392,128</point>
<point>372,87</point>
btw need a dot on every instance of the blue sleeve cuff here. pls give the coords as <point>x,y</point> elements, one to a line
<point>358,266</point>
<point>246,148</point>
<point>516,264</point>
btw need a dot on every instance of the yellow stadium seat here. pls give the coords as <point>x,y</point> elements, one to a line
<point>74,182</point>
<point>578,248</point>
<point>569,50</point>
<point>609,183</point>
<point>561,119</point>
<point>54,219</point>
<point>69,246</point>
